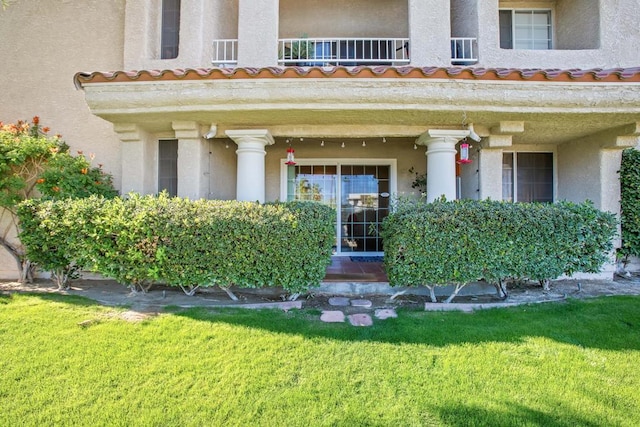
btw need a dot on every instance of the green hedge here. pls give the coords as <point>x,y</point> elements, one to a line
<point>142,240</point>
<point>630,202</point>
<point>459,242</point>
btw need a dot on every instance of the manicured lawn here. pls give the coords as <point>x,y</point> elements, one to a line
<point>574,363</point>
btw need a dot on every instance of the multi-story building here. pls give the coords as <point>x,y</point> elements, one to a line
<point>204,98</point>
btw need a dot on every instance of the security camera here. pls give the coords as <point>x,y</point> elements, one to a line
<point>212,132</point>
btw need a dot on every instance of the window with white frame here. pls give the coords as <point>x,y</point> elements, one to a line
<point>525,29</point>
<point>170,29</point>
<point>527,177</point>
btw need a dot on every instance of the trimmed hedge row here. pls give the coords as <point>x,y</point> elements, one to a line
<point>463,241</point>
<point>141,240</point>
<point>630,202</point>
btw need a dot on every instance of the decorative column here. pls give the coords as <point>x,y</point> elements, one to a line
<point>193,160</point>
<point>139,159</point>
<point>441,161</point>
<point>251,170</point>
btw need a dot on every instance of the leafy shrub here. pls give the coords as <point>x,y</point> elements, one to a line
<point>34,164</point>
<point>630,202</point>
<point>459,242</point>
<point>141,240</point>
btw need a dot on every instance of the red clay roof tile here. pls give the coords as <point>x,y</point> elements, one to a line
<point>468,73</point>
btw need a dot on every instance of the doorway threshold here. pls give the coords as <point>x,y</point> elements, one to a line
<point>345,269</point>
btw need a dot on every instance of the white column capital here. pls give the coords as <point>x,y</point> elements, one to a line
<point>244,136</point>
<point>449,136</point>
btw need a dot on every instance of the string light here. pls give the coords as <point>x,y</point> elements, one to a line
<point>322,143</point>
<point>364,144</point>
<point>415,147</point>
<point>384,139</point>
<point>342,145</point>
<point>226,145</point>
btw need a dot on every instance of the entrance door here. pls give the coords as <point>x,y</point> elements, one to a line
<point>359,191</point>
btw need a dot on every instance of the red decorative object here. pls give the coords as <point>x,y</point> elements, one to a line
<point>464,154</point>
<point>290,158</point>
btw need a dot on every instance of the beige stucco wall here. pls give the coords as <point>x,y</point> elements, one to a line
<point>464,18</point>
<point>587,171</point>
<point>577,28</point>
<point>338,18</point>
<point>223,166</point>
<point>200,23</point>
<point>577,24</point>
<point>40,59</point>
<point>44,43</point>
<point>8,269</point>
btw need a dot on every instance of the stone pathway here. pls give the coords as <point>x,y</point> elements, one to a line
<point>355,319</point>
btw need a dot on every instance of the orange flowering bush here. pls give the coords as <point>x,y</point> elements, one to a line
<point>34,164</point>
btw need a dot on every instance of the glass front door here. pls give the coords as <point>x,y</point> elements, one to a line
<point>360,194</point>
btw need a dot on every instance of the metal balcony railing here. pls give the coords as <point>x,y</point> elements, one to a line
<point>308,52</point>
<point>343,51</point>
<point>225,53</point>
<point>463,50</point>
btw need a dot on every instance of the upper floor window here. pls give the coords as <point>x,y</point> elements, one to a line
<point>525,29</point>
<point>170,34</point>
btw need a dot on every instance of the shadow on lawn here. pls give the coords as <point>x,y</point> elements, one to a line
<point>6,297</point>
<point>513,414</point>
<point>611,323</point>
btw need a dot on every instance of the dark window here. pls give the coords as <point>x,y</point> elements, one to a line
<point>506,29</point>
<point>168,166</point>
<point>533,176</point>
<point>170,38</point>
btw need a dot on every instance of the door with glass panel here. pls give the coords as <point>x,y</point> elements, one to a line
<point>360,194</point>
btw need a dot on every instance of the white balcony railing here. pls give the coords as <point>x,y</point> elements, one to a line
<point>225,53</point>
<point>463,50</point>
<point>343,51</point>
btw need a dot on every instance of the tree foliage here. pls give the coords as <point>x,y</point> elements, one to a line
<point>35,164</point>
<point>630,202</point>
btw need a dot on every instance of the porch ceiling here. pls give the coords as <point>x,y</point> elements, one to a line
<point>555,106</point>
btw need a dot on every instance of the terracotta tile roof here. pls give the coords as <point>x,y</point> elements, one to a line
<point>595,75</point>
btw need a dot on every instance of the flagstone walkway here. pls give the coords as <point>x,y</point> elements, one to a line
<point>355,319</point>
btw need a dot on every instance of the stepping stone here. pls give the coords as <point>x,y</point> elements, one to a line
<point>365,303</point>
<point>385,313</point>
<point>339,301</point>
<point>332,316</point>
<point>360,319</point>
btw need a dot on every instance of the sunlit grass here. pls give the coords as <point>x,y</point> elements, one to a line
<point>563,364</point>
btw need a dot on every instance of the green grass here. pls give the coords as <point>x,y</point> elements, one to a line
<point>575,363</point>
